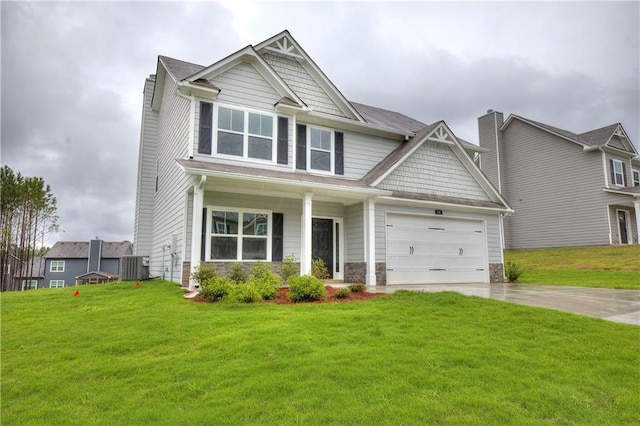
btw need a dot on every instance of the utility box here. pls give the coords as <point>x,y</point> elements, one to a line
<point>134,268</point>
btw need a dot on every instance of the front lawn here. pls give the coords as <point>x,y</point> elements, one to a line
<point>117,354</point>
<point>607,266</point>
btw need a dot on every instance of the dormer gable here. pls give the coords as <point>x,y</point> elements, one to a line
<point>295,66</point>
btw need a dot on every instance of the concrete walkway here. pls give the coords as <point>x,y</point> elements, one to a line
<point>610,304</point>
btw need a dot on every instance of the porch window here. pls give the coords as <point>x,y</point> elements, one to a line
<point>239,234</point>
<point>321,149</point>
<point>57,266</point>
<point>243,133</point>
<point>617,172</point>
<point>636,177</point>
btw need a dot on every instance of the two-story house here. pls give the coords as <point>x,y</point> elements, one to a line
<point>567,189</point>
<point>69,263</point>
<point>260,156</point>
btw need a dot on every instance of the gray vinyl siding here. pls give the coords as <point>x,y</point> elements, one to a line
<point>244,86</point>
<point>492,226</point>
<point>303,84</point>
<point>555,189</point>
<point>363,152</point>
<point>143,226</point>
<point>434,169</point>
<point>173,140</point>
<point>354,233</point>
<point>487,131</point>
<point>627,166</point>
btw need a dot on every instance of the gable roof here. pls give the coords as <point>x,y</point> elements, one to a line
<point>80,250</point>
<point>593,138</point>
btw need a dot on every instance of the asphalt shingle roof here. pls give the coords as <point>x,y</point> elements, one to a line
<point>80,250</point>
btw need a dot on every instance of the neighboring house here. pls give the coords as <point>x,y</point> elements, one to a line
<point>259,156</point>
<point>31,276</point>
<point>567,189</point>
<point>71,263</point>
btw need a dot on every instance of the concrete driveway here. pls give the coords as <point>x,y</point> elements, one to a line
<point>610,304</point>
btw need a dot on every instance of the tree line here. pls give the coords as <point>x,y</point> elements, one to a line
<point>28,214</point>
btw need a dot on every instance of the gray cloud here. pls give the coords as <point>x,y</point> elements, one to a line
<point>73,73</point>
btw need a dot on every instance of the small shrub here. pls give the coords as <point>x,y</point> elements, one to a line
<point>238,274</point>
<point>319,269</point>
<point>289,267</point>
<point>265,281</point>
<point>306,288</point>
<point>512,271</point>
<point>357,288</point>
<point>216,288</point>
<point>343,293</point>
<point>244,293</point>
<point>203,272</point>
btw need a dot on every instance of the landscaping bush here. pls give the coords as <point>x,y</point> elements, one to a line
<point>238,274</point>
<point>203,272</point>
<point>244,293</point>
<point>265,281</point>
<point>342,293</point>
<point>319,269</point>
<point>357,288</point>
<point>289,267</point>
<point>216,288</point>
<point>306,288</point>
<point>512,271</point>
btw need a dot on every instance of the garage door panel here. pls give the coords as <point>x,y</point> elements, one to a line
<point>423,249</point>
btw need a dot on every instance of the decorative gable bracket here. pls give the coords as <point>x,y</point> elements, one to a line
<point>441,135</point>
<point>282,46</point>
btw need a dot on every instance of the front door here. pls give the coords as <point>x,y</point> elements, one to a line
<point>622,225</point>
<point>322,242</point>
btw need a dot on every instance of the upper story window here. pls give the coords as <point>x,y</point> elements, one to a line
<point>636,177</point>
<point>57,266</point>
<point>243,133</point>
<point>321,152</point>
<point>617,172</point>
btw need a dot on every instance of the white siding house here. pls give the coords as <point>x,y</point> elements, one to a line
<point>259,156</point>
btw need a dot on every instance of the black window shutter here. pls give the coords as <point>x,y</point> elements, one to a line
<point>339,157</point>
<point>205,133</point>
<point>624,175</point>
<point>203,240</point>
<point>277,237</point>
<point>613,173</point>
<point>301,147</point>
<point>283,140</point>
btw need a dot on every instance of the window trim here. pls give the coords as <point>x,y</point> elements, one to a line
<point>209,233</point>
<point>245,134</point>
<point>332,152</point>
<point>29,284</point>
<point>57,283</point>
<point>635,177</point>
<point>615,173</point>
<point>57,263</point>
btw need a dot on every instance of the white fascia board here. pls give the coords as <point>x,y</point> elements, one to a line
<point>444,205</point>
<point>630,194</point>
<point>193,90</point>
<point>158,87</point>
<point>285,182</point>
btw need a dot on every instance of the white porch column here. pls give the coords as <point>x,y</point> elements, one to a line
<point>370,241</point>
<point>305,252</point>
<point>636,205</point>
<point>196,227</point>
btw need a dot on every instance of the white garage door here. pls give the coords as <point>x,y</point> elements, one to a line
<point>425,249</point>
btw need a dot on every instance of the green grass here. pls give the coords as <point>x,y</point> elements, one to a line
<point>607,267</point>
<point>117,354</point>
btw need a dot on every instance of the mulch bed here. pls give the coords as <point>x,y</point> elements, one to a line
<point>282,299</point>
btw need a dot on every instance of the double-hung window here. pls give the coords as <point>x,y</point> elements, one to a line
<point>238,234</point>
<point>57,266</point>
<point>636,177</point>
<point>617,173</point>
<point>321,153</point>
<point>56,283</point>
<point>247,134</point>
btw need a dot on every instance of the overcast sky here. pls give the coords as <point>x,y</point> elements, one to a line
<point>73,73</point>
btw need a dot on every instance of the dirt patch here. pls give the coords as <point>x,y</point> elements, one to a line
<point>283,299</point>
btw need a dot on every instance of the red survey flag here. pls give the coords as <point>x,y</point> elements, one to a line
<point>77,293</point>
<point>137,284</point>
